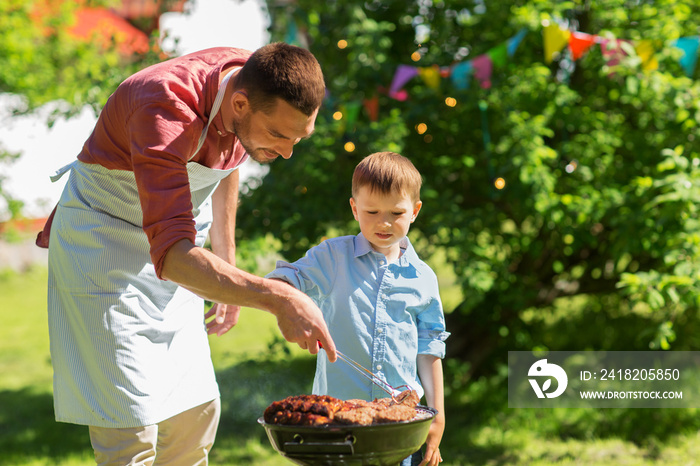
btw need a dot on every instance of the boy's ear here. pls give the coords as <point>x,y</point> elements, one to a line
<point>354,208</point>
<point>416,209</point>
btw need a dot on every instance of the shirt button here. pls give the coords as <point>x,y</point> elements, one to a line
<point>380,330</point>
<point>379,367</point>
<point>220,133</point>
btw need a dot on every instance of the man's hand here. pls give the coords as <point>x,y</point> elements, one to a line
<point>301,322</point>
<point>225,317</point>
<point>212,278</point>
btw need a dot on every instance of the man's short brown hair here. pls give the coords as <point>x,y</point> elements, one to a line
<point>387,172</point>
<point>284,71</point>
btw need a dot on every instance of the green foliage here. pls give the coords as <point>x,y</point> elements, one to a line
<point>42,62</point>
<point>600,163</point>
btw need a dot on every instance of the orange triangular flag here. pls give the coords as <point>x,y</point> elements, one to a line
<point>579,43</point>
<point>555,39</point>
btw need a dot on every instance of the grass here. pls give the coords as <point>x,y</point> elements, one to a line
<point>254,367</point>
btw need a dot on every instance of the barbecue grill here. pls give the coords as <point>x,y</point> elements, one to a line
<point>352,445</point>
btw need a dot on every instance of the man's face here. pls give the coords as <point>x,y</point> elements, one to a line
<point>267,136</point>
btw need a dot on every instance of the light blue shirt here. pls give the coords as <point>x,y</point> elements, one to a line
<point>381,315</point>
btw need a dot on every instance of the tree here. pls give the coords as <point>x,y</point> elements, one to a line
<point>598,164</point>
<point>40,62</point>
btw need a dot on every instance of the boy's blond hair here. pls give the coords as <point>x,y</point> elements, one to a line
<point>387,172</point>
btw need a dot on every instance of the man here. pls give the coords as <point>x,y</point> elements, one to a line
<point>127,270</point>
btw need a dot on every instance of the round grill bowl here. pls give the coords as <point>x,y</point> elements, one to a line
<point>376,444</point>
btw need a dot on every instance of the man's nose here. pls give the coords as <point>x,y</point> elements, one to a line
<point>286,152</point>
<point>283,151</point>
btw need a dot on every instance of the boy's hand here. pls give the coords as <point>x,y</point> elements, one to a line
<point>432,455</point>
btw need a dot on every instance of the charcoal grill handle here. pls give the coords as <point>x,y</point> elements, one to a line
<point>299,446</point>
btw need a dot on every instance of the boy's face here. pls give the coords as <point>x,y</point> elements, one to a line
<point>384,218</point>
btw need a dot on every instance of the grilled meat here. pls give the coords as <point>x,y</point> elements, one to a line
<point>310,410</point>
<point>408,398</point>
<point>302,410</point>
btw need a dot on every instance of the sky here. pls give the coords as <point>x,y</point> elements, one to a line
<point>206,23</point>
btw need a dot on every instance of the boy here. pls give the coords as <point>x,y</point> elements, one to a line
<point>380,301</point>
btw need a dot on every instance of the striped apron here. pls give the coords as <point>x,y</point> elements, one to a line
<point>128,349</point>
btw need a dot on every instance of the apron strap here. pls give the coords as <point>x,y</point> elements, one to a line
<point>42,239</point>
<point>214,111</point>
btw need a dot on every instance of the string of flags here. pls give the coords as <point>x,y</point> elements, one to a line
<point>555,39</point>
<point>481,67</point>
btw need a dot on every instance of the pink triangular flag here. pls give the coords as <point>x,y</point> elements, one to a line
<point>483,68</point>
<point>613,51</point>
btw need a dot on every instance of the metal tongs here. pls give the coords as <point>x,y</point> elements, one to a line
<point>372,377</point>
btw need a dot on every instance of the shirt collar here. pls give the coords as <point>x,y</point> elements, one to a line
<point>363,247</point>
<point>218,122</point>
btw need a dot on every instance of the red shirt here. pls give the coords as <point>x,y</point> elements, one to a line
<point>151,125</point>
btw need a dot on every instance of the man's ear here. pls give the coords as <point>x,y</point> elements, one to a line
<point>240,102</point>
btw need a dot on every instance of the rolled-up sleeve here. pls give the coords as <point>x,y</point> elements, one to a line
<point>312,274</point>
<point>288,273</point>
<point>431,330</point>
<point>161,142</point>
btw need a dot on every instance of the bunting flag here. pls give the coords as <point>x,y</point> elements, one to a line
<point>513,43</point>
<point>555,39</point>
<point>579,43</point>
<point>461,74</point>
<point>372,107</point>
<point>431,76</point>
<point>352,110</point>
<point>292,32</point>
<point>483,67</point>
<point>614,50</point>
<point>404,73</point>
<point>499,55</point>
<point>645,51</point>
<point>689,46</point>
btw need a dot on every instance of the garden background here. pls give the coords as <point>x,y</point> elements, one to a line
<point>558,142</point>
